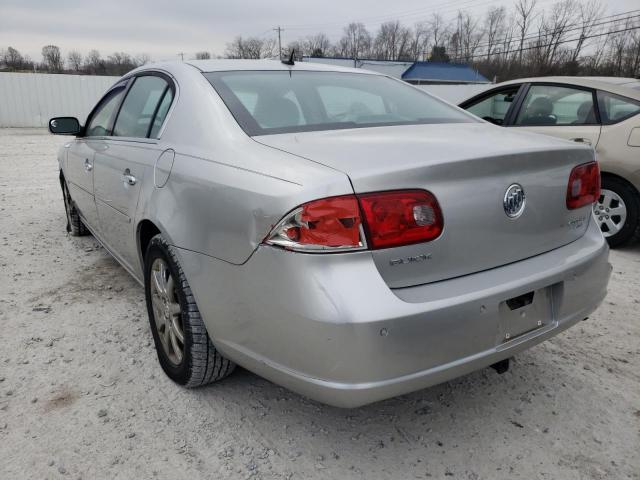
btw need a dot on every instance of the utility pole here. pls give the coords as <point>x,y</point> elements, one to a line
<point>279,30</point>
<point>181,56</point>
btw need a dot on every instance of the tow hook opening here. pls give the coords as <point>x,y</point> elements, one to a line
<point>502,366</point>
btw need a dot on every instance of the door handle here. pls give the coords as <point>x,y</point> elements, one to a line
<point>128,178</point>
<point>87,165</point>
<point>582,140</point>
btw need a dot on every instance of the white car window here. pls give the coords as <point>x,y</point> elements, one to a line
<point>614,108</point>
<point>494,108</point>
<point>556,105</point>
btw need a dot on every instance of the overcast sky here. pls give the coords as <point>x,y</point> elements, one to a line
<point>163,28</point>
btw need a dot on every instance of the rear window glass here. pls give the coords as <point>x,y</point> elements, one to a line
<point>267,102</point>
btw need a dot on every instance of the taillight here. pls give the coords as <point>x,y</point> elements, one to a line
<point>328,224</point>
<point>333,224</point>
<point>584,185</point>
<point>398,218</point>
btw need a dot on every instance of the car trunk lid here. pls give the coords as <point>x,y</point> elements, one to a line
<point>469,168</point>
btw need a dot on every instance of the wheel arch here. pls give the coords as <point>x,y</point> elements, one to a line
<point>610,174</point>
<point>145,231</point>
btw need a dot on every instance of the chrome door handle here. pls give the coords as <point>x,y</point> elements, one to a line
<point>582,140</point>
<point>87,166</point>
<point>128,178</point>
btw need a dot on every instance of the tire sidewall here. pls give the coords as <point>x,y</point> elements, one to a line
<point>68,203</point>
<point>632,204</point>
<point>159,249</point>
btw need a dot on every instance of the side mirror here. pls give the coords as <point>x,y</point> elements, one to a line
<point>64,126</point>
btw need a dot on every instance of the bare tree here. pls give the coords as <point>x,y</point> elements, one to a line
<point>119,63</point>
<point>250,48</point>
<point>317,45</point>
<point>523,19</point>
<point>12,59</point>
<point>439,29</point>
<point>74,60</point>
<point>590,13</point>
<point>420,46</point>
<point>142,59</point>
<point>552,30</point>
<point>52,59</point>
<point>468,36</point>
<point>494,25</point>
<point>94,64</point>
<point>392,42</point>
<point>356,41</point>
<point>203,55</point>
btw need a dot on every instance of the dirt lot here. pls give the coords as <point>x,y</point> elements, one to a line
<point>82,395</point>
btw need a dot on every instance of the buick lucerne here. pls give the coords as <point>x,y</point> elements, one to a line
<point>336,231</point>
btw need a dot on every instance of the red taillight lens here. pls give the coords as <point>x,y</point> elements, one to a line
<point>328,224</point>
<point>401,217</point>
<point>584,185</point>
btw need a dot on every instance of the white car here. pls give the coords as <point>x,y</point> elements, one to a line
<point>601,111</point>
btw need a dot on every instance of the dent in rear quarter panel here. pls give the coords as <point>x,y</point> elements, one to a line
<point>225,210</point>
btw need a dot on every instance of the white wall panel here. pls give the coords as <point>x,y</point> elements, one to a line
<point>31,99</point>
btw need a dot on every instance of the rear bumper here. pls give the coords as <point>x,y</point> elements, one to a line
<point>328,327</point>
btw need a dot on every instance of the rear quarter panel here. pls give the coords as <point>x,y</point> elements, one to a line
<point>225,191</point>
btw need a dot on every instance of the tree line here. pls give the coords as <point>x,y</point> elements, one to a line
<point>53,61</point>
<point>570,37</point>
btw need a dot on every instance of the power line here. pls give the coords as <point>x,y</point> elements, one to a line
<point>449,7</point>
<point>303,26</point>
<point>512,39</point>
<point>533,47</point>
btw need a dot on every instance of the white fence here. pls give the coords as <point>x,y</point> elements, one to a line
<point>31,99</point>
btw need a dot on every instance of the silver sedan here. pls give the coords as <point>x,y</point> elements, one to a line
<point>336,231</point>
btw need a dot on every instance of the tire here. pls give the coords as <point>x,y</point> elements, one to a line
<point>619,197</point>
<point>194,360</point>
<point>74,223</point>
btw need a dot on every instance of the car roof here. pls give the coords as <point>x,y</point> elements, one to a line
<point>248,65</point>
<point>609,84</point>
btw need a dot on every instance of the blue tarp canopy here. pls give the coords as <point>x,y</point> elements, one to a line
<point>442,72</point>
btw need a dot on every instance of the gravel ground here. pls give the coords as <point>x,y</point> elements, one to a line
<point>83,396</point>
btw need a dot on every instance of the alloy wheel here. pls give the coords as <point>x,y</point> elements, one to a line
<point>166,311</point>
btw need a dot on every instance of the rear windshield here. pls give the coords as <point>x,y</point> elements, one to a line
<point>268,102</point>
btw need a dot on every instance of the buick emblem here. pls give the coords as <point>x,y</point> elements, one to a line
<point>514,200</point>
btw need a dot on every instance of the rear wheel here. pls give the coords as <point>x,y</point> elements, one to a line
<point>617,211</point>
<point>74,223</point>
<point>184,348</point>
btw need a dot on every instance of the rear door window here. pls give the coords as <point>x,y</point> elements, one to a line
<point>615,108</point>
<point>494,108</point>
<point>555,105</point>
<point>140,106</point>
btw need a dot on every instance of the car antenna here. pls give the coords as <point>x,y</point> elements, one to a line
<point>291,61</point>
